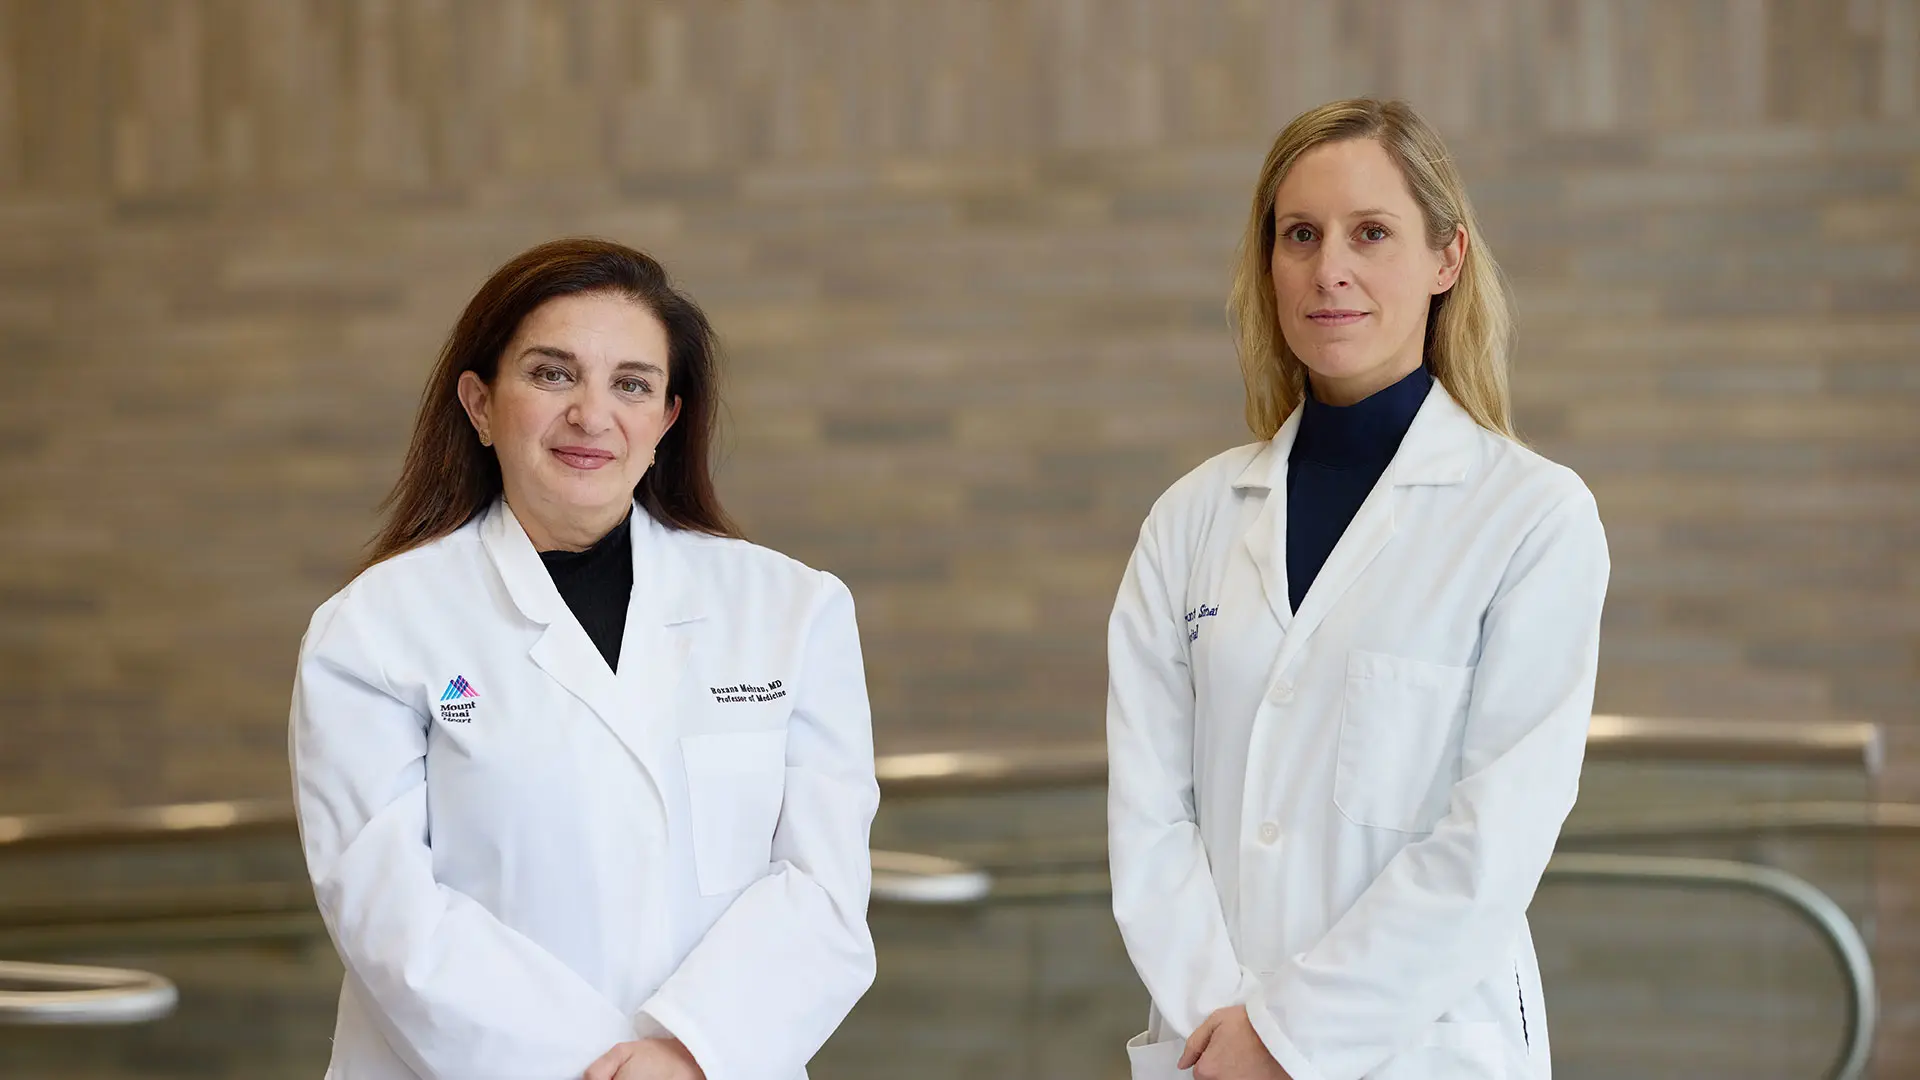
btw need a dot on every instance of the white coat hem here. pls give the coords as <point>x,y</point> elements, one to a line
<point>678,1024</point>
<point>1282,1048</point>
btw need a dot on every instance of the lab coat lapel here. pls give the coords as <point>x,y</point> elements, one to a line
<point>662,619</point>
<point>565,652</point>
<point>1437,449</point>
<point>1371,528</point>
<point>1266,538</point>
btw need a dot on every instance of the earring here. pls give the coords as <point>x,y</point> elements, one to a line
<point>484,441</point>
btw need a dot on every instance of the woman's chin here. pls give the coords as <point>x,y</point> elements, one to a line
<point>587,493</point>
<point>1341,365</point>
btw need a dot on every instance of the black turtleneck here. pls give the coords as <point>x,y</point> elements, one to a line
<point>1338,456</point>
<point>596,584</point>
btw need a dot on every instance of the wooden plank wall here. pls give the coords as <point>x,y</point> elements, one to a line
<point>970,259</point>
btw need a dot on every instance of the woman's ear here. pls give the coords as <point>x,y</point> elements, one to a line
<point>1452,258</point>
<point>476,397</point>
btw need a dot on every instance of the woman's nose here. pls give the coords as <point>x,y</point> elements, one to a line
<point>590,411</point>
<point>1330,269</point>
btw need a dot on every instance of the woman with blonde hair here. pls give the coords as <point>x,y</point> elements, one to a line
<point>1352,664</point>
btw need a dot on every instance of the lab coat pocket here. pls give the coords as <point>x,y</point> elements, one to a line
<point>1451,1051</point>
<point>735,783</point>
<point>1400,738</point>
<point>1155,1060</point>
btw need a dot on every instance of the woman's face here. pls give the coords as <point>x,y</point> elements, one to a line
<point>575,409</point>
<point>1352,273</point>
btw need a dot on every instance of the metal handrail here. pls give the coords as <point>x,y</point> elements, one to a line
<point>72,994</point>
<point>923,879</point>
<point>143,824</point>
<point>112,996</point>
<point>1834,743</point>
<point>1609,738</point>
<point>1814,907</point>
<point>945,772</point>
<point>901,877</point>
<point>898,878</point>
<point>1829,818</point>
<point>1823,744</point>
<point>908,878</point>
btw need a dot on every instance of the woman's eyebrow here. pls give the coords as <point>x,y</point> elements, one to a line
<point>557,353</point>
<point>1372,211</point>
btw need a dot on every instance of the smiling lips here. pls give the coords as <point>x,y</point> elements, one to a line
<point>1336,316</point>
<point>583,457</point>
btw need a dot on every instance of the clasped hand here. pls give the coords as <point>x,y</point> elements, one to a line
<point>1225,1047</point>
<point>646,1059</point>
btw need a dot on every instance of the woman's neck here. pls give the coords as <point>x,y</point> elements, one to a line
<point>1357,388</point>
<point>568,528</point>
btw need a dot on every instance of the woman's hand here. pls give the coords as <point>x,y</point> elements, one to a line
<point>1227,1048</point>
<point>646,1059</point>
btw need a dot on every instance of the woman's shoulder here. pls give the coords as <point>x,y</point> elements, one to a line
<point>737,566</point>
<point>390,584</point>
<point>1517,472</point>
<point>1211,483</point>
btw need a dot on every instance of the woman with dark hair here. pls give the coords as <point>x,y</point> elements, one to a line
<point>584,779</point>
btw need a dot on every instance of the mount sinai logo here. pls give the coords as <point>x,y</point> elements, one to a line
<point>457,701</point>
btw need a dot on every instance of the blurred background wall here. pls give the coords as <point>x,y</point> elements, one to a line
<point>970,260</point>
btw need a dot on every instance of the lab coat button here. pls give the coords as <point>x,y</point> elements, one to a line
<point>1282,693</point>
<point>1269,832</point>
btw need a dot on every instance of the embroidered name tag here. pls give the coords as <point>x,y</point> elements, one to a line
<point>742,693</point>
<point>1204,611</point>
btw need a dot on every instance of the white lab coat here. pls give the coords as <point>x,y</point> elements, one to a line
<point>524,858</point>
<point>1339,816</point>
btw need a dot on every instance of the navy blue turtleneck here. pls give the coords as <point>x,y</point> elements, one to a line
<point>1338,456</point>
<point>596,584</point>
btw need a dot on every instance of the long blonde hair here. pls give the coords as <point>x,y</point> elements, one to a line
<point>1469,327</point>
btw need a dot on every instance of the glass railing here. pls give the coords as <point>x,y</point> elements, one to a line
<point>1700,920</point>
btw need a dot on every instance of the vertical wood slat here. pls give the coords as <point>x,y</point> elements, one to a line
<point>214,95</point>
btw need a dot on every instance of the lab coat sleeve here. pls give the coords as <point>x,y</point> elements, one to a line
<point>1164,896</point>
<point>779,971</point>
<point>458,994</point>
<point>1443,915</point>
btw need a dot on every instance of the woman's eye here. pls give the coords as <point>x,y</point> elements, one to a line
<point>550,375</point>
<point>631,386</point>
<point>1373,234</point>
<point>1300,234</point>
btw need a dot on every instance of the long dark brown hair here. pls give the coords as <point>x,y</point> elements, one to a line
<point>449,478</point>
